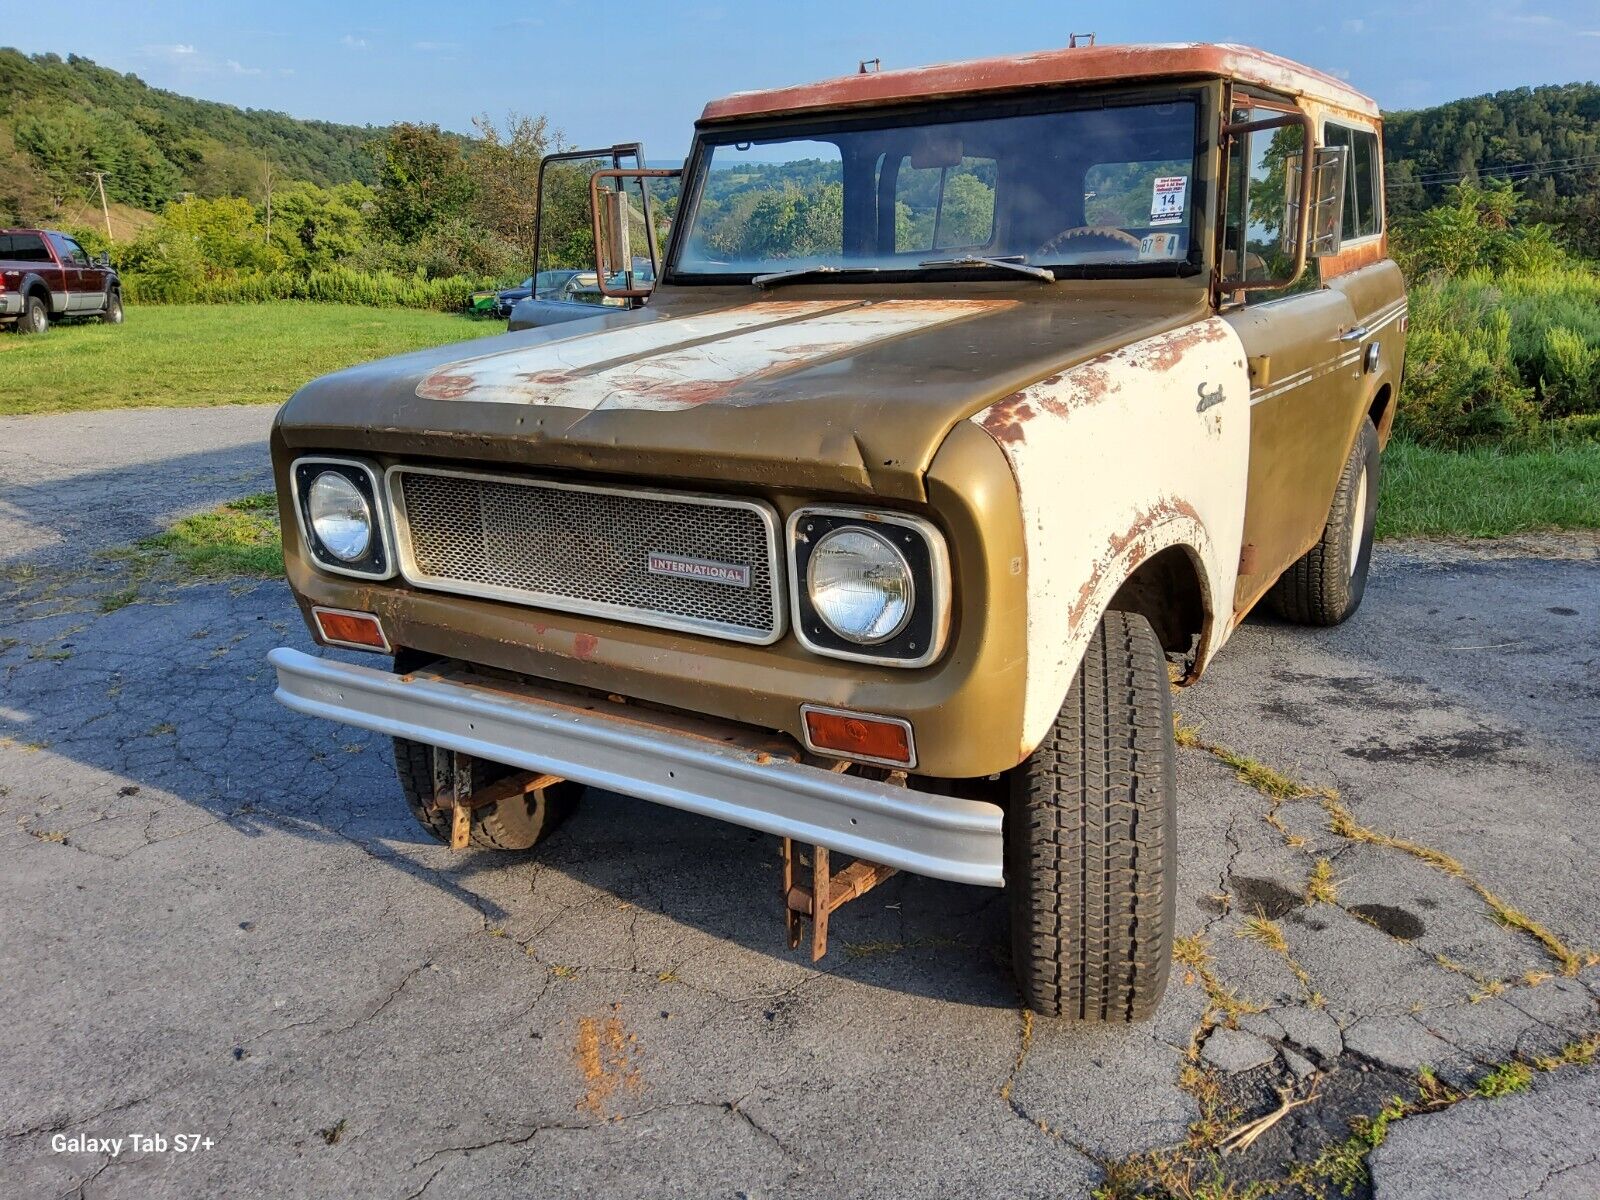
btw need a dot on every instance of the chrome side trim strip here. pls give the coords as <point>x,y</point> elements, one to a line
<point>939,836</point>
<point>394,480</point>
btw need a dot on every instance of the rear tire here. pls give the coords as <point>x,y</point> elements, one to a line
<point>517,823</point>
<point>1325,585</point>
<point>35,317</point>
<point>1091,838</point>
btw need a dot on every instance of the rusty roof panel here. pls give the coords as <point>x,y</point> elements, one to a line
<point>1083,65</point>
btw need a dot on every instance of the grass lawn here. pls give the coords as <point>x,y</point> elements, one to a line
<point>240,538</point>
<point>202,354</point>
<point>1484,493</point>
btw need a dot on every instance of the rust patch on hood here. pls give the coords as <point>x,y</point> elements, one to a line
<point>449,386</point>
<point>697,359</point>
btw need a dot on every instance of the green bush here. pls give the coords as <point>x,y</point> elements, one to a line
<point>1461,388</point>
<point>1513,357</point>
<point>1568,382</point>
<point>336,285</point>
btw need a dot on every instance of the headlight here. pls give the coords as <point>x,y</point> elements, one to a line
<point>340,516</point>
<point>342,519</point>
<point>868,585</point>
<point>860,585</point>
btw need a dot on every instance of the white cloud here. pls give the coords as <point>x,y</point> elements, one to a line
<point>1589,33</point>
<point>1354,25</point>
<point>355,43</point>
<point>240,69</point>
<point>180,48</point>
<point>436,46</point>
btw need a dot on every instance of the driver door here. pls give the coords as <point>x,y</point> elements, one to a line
<point>1300,366</point>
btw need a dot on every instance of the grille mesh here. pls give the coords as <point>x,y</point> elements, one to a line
<point>565,548</point>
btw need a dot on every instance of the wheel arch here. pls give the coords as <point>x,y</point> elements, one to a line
<point>1170,590</point>
<point>1381,412</point>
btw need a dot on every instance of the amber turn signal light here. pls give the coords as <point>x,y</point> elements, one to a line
<point>860,736</point>
<point>358,630</point>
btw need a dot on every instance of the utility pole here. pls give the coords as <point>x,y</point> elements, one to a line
<point>100,180</point>
<point>269,201</point>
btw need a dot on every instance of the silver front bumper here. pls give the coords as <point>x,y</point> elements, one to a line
<point>940,836</point>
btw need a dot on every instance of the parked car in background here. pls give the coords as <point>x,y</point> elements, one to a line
<point>46,276</point>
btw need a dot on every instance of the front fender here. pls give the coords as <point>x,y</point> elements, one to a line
<point>1116,460</point>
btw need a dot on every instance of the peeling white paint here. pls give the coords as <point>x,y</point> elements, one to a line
<point>1115,460</point>
<point>682,362</point>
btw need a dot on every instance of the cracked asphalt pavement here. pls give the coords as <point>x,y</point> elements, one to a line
<point>221,920</point>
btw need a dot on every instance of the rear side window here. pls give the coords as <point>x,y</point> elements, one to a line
<point>23,247</point>
<point>1363,202</point>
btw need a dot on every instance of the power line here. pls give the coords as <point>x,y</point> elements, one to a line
<point>1559,164</point>
<point>1514,172</point>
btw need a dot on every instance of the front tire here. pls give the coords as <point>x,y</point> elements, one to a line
<point>516,823</point>
<point>1325,585</point>
<point>1091,838</point>
<point>113,312</point>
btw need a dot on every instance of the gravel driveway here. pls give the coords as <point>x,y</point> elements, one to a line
<point>221,921</point>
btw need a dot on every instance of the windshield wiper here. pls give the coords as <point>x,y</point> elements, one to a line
<point>762,281</point>
<point>1013,263</point>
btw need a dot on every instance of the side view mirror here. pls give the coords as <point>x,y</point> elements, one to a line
<point>615,245</point>
<point>1325,230</point>
<point>103,259</point>
<point>613,218</point>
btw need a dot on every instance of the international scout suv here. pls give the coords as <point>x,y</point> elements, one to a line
<point>971,404</point>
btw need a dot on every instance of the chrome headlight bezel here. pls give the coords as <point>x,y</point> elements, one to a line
<point>378,562</point>
<point>922,635</point>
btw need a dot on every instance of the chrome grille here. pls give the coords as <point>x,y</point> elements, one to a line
<point>587,549</point>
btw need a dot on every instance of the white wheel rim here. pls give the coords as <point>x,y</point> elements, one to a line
<point>1358,522</point>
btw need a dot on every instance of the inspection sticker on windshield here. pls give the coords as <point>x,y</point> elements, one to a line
<point>1158,245</point>
<point>1167,199</point>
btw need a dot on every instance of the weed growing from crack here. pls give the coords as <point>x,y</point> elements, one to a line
<point>1321,887</point>
<point>1505,1080</point>
<point>1224,1006</point>
<point>1573,1054</point>
<point>1270,934</point>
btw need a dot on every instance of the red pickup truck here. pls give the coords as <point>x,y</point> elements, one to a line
<point>46,276</point>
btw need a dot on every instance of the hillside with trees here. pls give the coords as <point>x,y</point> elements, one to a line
<point>60,117</point>
<point>1546,140</point>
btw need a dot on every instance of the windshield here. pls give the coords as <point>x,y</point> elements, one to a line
<point>1104,187</point>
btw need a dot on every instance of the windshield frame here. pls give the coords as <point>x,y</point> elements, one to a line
<point>709,136</point>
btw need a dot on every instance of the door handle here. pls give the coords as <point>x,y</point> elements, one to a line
<point>1358,334</point>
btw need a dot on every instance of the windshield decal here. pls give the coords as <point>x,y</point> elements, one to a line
<point>1168,198</point>
<point>688,361</point>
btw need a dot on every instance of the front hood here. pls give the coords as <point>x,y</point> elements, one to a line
<point>826,392</point>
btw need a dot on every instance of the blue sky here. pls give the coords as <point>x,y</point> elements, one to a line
<point>619,72</point>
